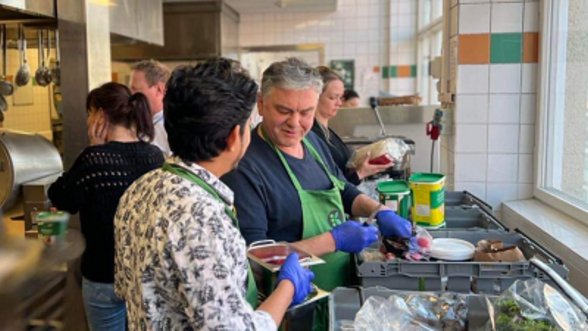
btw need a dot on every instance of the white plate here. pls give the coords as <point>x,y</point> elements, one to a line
<point>452,249</point>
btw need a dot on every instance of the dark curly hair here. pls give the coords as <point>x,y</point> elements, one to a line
<point>202,105</point>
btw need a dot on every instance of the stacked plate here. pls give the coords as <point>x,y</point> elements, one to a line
<point>450,249</point>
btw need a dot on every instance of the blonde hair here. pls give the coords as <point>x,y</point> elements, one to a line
<point>328,75</point>
<point>155,71</point>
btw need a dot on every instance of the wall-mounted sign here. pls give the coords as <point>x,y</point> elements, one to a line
<point>346,69</point>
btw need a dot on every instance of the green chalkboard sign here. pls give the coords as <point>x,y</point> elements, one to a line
<point>346,69</point>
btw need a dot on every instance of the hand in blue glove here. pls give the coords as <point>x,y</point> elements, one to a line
<point>391,224</point>
<point>353,237</point>
<point>300,278</point>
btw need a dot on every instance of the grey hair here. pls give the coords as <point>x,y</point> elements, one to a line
<point>155,71</point>
<point>291,74</point>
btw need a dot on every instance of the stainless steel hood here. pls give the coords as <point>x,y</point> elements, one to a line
<point>192,31</point>
<point>27,10</point>
<point>136,20</point>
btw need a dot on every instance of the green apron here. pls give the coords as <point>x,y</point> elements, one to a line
<point>322,210</point>
<point>251,296</point>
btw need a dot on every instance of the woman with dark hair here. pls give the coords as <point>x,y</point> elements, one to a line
<point>328,106</point>
<point>350,98</point>
<point>120,129</point>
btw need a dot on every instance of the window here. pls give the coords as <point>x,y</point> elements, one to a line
<point>563,124</point>
<point>430,38</point>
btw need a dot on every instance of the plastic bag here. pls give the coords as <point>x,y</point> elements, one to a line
<point>381,152</point>
<point>411,312</point>
<point>416,248</point>
<point>534,305</point>
<point>392,314</point>
<point>446,311</point>
<point>369,187</point>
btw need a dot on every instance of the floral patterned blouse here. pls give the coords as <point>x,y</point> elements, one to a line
<point>180,263</point>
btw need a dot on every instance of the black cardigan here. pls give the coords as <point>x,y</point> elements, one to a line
<point>339,151</point>
<point>93,186</point>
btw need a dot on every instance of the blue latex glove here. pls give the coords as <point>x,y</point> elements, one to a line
<point>391,224</point>
<point>353,237</point>
<point>300,278</point>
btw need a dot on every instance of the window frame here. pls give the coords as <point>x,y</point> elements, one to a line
<point>547,76</point>
<point>428,31</point>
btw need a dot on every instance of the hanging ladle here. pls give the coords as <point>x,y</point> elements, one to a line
<point>48,72</point>
<point>41,74</point>
<point>6,87</point>
<point>56,72</point>
<point>24,72</point>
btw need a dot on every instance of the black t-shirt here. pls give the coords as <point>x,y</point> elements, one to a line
<point>339,151</point>
<point>267,204</point>
<point>93,186</point>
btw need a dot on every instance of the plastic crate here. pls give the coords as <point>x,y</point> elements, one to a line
<point>344,303</point>
<point>470,218</point>
<point>462,277</point>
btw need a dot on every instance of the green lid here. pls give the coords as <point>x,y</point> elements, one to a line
<point>427,178</point>
<point>53,216</point>
<point>393,187</point>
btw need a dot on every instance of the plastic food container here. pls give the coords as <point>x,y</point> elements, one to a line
<point>395,194</point>
<point>266,258</point>
<point>428,199</point>
<point>52,226</point>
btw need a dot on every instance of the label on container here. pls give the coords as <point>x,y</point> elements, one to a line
<point>392,204</point>
<point>52,226</point>
<point>423,210</point>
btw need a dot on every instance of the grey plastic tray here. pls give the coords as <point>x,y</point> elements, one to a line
<point>344,303</point>
<point>463,277</point>
<point>470,218</point>
<point>464,199</point>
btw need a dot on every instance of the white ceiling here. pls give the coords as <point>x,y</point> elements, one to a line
<point>281,6</point>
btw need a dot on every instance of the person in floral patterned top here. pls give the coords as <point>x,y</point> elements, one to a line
<point>180,260</point>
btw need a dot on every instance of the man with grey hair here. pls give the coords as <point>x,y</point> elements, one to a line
<point>288,188</point>
<point>149,77</point>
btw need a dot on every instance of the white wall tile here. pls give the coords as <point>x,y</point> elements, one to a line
<point>527,141</point>
<point>474,1</point>
<point>529,77</point>
<point>525,191</point>
<point>528,108</point>
<point>502,168</point>
<point>505,78</point>
<point>506,17</point>
<point>471,108</point>
<point>470,167</point>
<point>503,138</point>
<point>472,79</point>
<point>477,189</point>
<point>497,193</point>
<point>526,173</point>
<point>471,138</point>
<point>474,18</point>
<point>504,108</point>
<point>531,17</point>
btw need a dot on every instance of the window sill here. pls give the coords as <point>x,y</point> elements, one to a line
<point>563,235</point>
